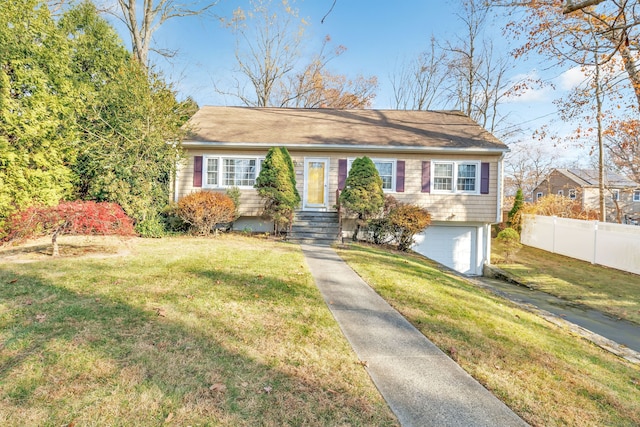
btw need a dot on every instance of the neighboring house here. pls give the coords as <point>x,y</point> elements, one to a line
<point>442,161</point>
<point>622,196</point>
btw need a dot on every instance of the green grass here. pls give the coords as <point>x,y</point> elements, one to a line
<point>180,331</point>
<point>546,375</point>
<point>611,291</point>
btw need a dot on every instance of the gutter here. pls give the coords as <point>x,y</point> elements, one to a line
<point>347,147</point>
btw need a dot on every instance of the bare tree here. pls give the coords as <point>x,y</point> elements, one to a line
<point>419,83</point>
<point>144,22</point>
<point>316,87</point>
<point>476,72</point>
<point>464,74</point>
<point>268,43</point>
<point>525,167</point>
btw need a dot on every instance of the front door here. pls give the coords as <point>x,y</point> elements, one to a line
<point>316,188</point>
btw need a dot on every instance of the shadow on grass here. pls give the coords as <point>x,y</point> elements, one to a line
<point>160,368</point>
<point>512,352</point>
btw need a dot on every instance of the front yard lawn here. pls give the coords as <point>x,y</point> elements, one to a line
<point>181,331</point>
<point>608,290</point>
<point>232,332</point>
<point>545,374</point>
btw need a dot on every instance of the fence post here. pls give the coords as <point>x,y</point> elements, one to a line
<point>553,234</point>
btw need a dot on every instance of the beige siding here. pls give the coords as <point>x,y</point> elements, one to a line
<point>556,182</point>
<point>250,203</point>
<point>443,207</point>
<point>589,196</point>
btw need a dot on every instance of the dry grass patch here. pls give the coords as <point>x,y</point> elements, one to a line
<point>611,291</point>
<point>543,373</point>
<point>228,331</point>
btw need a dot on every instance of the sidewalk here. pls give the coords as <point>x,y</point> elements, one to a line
<point>421,384</point>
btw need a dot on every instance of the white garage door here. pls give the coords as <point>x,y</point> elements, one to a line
<point>454,247</point>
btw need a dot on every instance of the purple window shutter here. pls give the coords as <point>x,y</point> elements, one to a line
<point>426,176</point>
<point>342,173</point>
<point>197,171</point>
<point>484,178</point>
<point>400,176</point>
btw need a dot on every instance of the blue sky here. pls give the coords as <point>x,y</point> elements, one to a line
<point>378,35</point>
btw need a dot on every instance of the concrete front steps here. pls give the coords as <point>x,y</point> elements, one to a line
<point>315,228</point>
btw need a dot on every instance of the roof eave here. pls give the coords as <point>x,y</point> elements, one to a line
<point>347,147</point>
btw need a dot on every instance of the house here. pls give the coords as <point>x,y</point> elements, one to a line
<point>440,160</point>
<point>622,196</point>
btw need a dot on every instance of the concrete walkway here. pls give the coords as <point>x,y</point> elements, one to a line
<point>420,383</point>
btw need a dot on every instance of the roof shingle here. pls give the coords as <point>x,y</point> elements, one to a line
<point>344,128</point>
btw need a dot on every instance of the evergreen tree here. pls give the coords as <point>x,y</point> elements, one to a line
<point>129,116</point>
<point>276,184</point>
<point>79,117</point>
<point>363,193</point>
<point>37,109</point>
<point>518,203</point>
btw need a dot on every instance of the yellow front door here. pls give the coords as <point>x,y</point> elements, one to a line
<point>316,181</point>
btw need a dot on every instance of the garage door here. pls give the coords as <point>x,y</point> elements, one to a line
<point>454,247</point>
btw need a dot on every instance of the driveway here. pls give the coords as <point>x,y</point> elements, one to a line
<point>620,336</point>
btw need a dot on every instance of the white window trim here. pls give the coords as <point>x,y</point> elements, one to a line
<point>394,171</point>
<point>573,194</point>
<point>636,195</point>
<point>615,194</point>
<point>221,159</point>
<point>539,195</point>
<point>560,192</point>
<point>454,183</point>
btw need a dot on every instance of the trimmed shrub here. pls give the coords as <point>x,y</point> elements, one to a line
<point>408,220</point>
<point>380,229</point>
<point>510,240</point>
<point>234,194</point>
<point>362,194</point>
<point>203,210</point>
<point>151,227</point>
<point>79,218</point>
<point>398,224</point>
<point>276,184</point>
<point>171,219</point>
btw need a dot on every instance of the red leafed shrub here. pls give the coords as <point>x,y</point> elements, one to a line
<point>79,218</point>
<point>204,209</point>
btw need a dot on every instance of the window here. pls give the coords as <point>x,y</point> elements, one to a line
<point>560,192</point>
<point>636,196</point>
<point>239,172</point>
<point>572,194</point>
<point>221,172</point>
<point>615,194</point>
<point>386,170</point>
<point>443,176</point>
<point>212,172</point>
<point>467,177</point>
<point>456,177</point>
<point>539,196</point>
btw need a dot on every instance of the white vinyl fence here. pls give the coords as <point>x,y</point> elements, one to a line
<point>611,245</point>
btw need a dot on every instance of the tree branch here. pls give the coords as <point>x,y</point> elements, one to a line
<point>573,7</point>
